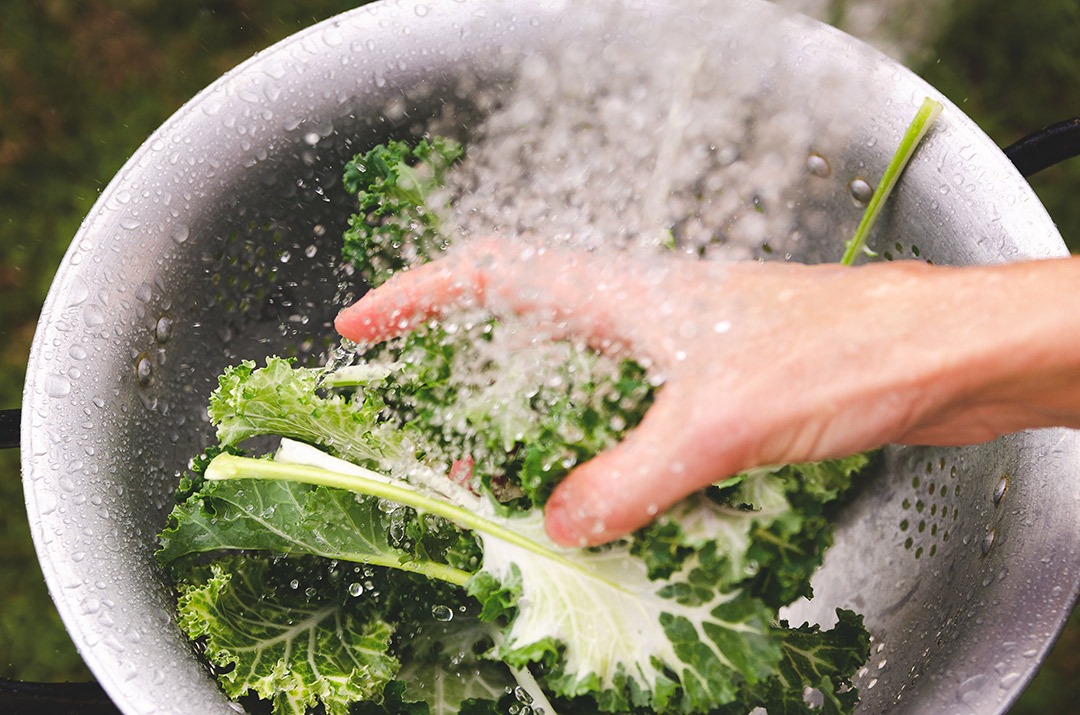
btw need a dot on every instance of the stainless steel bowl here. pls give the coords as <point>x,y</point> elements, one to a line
<point>216,242</point>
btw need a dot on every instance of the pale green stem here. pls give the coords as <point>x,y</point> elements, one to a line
<point>918,128</point>
<point>428,569</point>
<point>358,375</point>
<point>228,466</point>
<point>525,679</point>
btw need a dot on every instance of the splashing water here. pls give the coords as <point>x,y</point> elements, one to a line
<point>681,133</point>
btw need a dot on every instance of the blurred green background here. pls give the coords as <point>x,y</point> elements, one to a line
<point>83,83</point>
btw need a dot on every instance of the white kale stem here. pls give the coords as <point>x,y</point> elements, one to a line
<point>528,683</point>
<point>416,476</point>
<point>362,481</point>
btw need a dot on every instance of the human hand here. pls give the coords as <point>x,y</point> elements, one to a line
<point>761,364</point>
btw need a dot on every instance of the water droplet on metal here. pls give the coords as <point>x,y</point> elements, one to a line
<point>57,386</point>
<point>144,370</point>
<point>817,165</point>
<point>332,36</point>
<point>144,292</point>
<point>861,191</point>
<point>180,233</point>
<point>969,689</point>
<point>1001,489</point>
<point>988,541</point>
<point>355,589</point>
<point>93,316</point>
<point>163,329</point>
<point>443,614</point>
<point>79,292</point>
<point>1009,680</point>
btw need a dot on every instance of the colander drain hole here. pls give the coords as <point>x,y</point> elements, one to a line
<point>930,511</point>
<point>899,252</point>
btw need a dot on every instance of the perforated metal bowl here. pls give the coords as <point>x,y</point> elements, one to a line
<point>217,242</point>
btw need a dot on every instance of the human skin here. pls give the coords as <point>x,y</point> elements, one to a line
<point>766,363</point>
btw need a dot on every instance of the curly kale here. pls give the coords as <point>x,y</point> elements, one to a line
<point>390,555</point>
<point>395,225</point>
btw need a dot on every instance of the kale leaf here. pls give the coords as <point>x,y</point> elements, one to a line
<point>395,225</point>
<point>289,648</point>
<point>390,555</point>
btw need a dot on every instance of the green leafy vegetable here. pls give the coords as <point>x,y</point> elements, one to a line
<point>389,555</point>
<point>292,518</point>
<point>593,618</point>
<point>920,125</point>
<point>286,648</point>
<point>395,225</point>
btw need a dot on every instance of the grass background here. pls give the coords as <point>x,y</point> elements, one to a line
<point>83,83</point>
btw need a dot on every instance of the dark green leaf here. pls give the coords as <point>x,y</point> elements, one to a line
<point>284,517</point>
<point>396,223</point>
<point>284,646</point>
<point>283,400</point>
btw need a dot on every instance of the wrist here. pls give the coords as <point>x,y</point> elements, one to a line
<point>1008,351</point>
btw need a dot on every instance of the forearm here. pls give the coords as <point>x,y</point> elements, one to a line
<point>1007,352</point>
<point>769,363</point>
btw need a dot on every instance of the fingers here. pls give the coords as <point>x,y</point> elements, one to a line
<point>611,301</point>
<point>562,292</point>
<point>409,298</point>
<point>673,453</point>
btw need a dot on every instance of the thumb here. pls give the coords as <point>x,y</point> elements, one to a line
<point>671,454</point>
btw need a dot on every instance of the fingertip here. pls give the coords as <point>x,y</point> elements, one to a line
<point>558,524</point>
<point>626,487</point>
<point>361,322</point>
<point>574,522</point>
<point>410,297</point>
<point>587,510</point>
<point>345,324</point>
<point>391,309</point>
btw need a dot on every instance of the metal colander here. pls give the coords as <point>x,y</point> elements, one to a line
<point>218,242</point>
